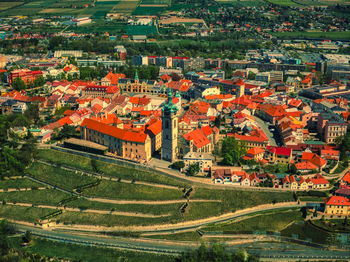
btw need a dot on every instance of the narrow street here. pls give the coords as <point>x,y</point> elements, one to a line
<point>265,128</point>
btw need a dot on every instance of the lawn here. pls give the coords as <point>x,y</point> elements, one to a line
<point>125,6</point>
<point>274,221</point>
<point>18,183</point>
<point>115,190</point>
<point>108,169</point>
<point>72,252</point>
<point>47,196</point>
<point>81,218</point>
<point>137,208</point>
<point>288,3</point>
<point>29,214</point>
<point>58,176</point>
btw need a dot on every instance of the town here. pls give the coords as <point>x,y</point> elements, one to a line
<point>179,123</point>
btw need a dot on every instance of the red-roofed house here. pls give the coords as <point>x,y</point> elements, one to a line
<point>346,179</point>
<point>195,141</point>
<point>337,205</point>
<point>281,155</point>
<point>330,154</point>
<point>154,130</point>
<point>255,153</point>
<point>314,159</point>
<point>100,91</point>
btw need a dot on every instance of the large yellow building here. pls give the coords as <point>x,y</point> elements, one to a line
<point>337,205</point>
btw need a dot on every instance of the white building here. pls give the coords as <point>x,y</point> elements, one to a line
<point>205,161</point>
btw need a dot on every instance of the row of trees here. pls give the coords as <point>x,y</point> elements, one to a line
<point>217,253</point>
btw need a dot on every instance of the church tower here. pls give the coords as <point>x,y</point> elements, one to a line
<point>169,129</point>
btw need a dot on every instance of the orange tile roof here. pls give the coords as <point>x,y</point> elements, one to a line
<point>313,158</point>
<point>338,201</point>
<point>156,127</point>
<point>198,138</point>
<point>113,131</point>
<point>255,151</point>
<point>346,177</point>
<point>305,165</point>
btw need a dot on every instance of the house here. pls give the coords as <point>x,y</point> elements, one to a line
<point>344,191</point>
<point>281,155</point>
<point>195,141</point>
<point>154,130</point>
<point>330,154</point>
<point>111,79</point>
<point>346,179</point>
<point>305,166</point>
<point>94,91</point>
<point>319,182</point>
<point>222,175</point>
<point>205,161</point>
<point>314,159</point>
<point>255,153</point>
<point>337,205</point>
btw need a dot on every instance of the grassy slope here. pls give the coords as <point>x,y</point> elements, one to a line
<point>112,170</point>
<point>275,221</point>
<point>89,254</point>
<point>18,183</point>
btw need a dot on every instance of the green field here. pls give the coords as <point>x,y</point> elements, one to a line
<point>47,196</point>
<point>29,214</point>
<point>18,183</point>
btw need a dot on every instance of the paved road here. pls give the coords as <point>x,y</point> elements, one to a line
<point>265,128</point>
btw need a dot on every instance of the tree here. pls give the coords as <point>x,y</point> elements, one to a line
<point>232,151</point>
<point>193,169</point>
<point>217,253</point>
<point>39,81</point>
<point>66,132</point>
<point>293,169</point>
<point>178,165</point>
<point>175,77</point>
<point>32,112</point>
<point>251,75</point>
<point>18,84</point>
<point>27,237</point>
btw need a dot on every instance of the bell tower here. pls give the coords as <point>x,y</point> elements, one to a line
<point>169,129</point>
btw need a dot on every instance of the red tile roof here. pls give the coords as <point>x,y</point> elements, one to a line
<point>113,131</point>
<point>284,151</point>
<point>198,138</point>
<point>313,158</point>
<point>346,178</point>
<point>338,201</point>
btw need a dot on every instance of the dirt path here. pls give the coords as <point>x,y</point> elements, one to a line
<point>21,189</point>
<point>96,211</point>
<point>149,202</point>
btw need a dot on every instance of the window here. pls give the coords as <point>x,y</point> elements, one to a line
<point>174,123</point>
